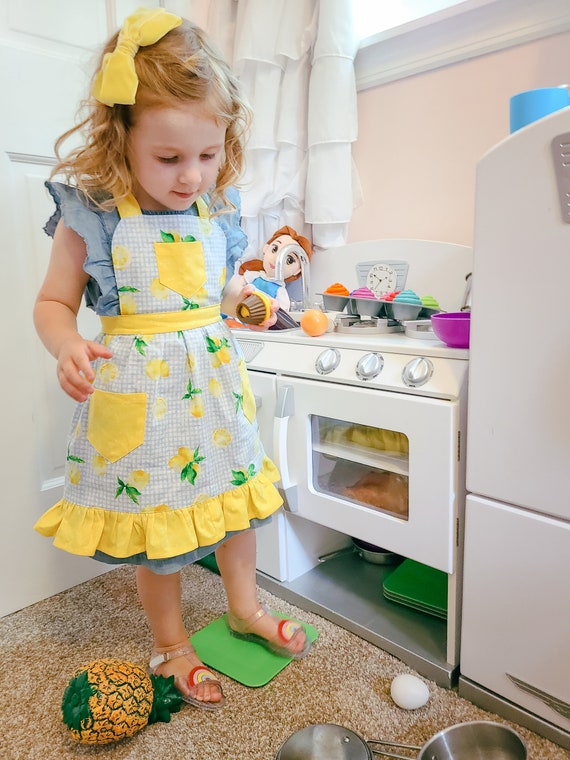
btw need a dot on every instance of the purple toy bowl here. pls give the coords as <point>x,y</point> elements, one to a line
<point>452,328</point>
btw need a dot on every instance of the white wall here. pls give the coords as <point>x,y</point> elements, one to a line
<point>420,139</point>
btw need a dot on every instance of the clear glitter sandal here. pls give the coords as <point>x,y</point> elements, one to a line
<point>288,630</point>
<point>196,676</point>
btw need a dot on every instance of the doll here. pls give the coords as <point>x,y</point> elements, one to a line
<point>261,272</point>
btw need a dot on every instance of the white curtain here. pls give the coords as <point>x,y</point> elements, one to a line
<point>295,61</point>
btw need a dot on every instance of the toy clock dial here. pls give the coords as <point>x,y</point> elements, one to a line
<point>381,278</point>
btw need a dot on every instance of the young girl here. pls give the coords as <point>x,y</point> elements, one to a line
<point>165,463</point>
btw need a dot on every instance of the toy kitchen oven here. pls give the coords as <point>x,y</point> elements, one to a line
<point>367,429</point>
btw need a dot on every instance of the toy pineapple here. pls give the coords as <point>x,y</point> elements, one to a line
<point>109,700</point>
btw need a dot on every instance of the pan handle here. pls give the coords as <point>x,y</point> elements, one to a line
<point>284,409</point>
<point>338,553</point>
<point>392,744</point>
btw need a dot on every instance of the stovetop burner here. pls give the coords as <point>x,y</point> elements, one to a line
<point>352,323</point>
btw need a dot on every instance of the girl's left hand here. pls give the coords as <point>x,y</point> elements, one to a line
<point>236,291</point>
<point>271,319</point>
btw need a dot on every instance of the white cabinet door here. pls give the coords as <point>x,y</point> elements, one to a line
<point>271,539</point>
<point>46,52</point>
<point>516,606</point>
<point>519,416</point>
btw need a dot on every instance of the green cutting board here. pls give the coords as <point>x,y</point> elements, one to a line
<point>418,586</point>
<point>247,662</point>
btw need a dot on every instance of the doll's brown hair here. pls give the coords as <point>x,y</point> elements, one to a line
<point>303,241</point>
<point>256,265</point>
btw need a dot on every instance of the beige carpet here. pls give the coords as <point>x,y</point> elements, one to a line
<point>344,680</point>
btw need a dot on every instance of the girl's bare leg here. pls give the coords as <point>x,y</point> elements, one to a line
<point>160,596</point>
<point>236,560</point>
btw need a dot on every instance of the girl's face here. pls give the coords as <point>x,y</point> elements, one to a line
<point>174,155</point>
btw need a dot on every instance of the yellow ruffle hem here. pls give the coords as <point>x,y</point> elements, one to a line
<point>161,533</point>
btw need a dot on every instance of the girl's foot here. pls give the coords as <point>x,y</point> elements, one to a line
<point>198,685</point>
<point>286,638</point>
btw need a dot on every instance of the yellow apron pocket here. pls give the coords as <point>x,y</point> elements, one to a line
<point>248,397</point>
<point>181,266</point>
<point>116,423</point>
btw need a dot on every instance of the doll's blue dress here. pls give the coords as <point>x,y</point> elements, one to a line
<point>164,460</point>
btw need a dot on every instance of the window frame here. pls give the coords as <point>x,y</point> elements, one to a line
<point>455,34</point>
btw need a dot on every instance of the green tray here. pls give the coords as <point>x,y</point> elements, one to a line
<point>210,563</point>
<point>244,661</point>
<point>419,586</point>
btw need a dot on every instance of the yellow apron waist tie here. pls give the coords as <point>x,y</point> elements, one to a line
<point>161,322</point>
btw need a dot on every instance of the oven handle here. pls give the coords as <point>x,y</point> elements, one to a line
<point>284,409</point>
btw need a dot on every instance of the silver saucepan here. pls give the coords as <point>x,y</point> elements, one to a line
<point>464,741</point>
<point>369,552</point>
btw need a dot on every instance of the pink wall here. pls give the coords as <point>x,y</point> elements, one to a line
<point>420,139</point>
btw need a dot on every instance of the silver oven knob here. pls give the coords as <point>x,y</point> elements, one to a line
<point>327,361</point>
<point>417,372</point>
<point>369,366</point>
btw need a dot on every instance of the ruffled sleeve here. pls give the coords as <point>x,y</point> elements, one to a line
<point>236,237</point>
<point>96,228</point>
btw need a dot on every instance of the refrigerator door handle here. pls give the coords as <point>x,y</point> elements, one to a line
<point>562,708</point>
<point>560,150</point>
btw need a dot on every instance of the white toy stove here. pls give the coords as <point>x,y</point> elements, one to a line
<point>363,358</point>
<point>367,408</point>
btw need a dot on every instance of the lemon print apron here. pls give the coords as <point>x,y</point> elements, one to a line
<point>164,459</point>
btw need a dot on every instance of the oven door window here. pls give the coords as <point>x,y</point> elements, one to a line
<point>362,464</point>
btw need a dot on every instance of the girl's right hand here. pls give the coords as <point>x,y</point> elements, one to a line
<point>74,370</point>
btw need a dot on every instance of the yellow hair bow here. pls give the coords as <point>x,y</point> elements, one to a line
<point>117,80</point>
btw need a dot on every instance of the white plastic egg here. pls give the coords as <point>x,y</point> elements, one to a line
<point>409,692</point>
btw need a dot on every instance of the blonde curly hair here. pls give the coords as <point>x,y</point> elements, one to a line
<point>183,66</point>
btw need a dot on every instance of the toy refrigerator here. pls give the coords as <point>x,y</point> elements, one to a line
<point>515,640</point>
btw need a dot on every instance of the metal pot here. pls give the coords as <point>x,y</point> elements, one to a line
<point>324,741</point>
<point>464,741</point>
<point>370,553</point>
<point>374,554</point>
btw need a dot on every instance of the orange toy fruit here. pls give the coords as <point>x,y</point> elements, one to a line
<point>314,322</point>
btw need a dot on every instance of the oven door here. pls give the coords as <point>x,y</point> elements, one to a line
<point>375,465</point>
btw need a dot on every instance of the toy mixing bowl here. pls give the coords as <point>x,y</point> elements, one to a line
<point>452,328</point>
